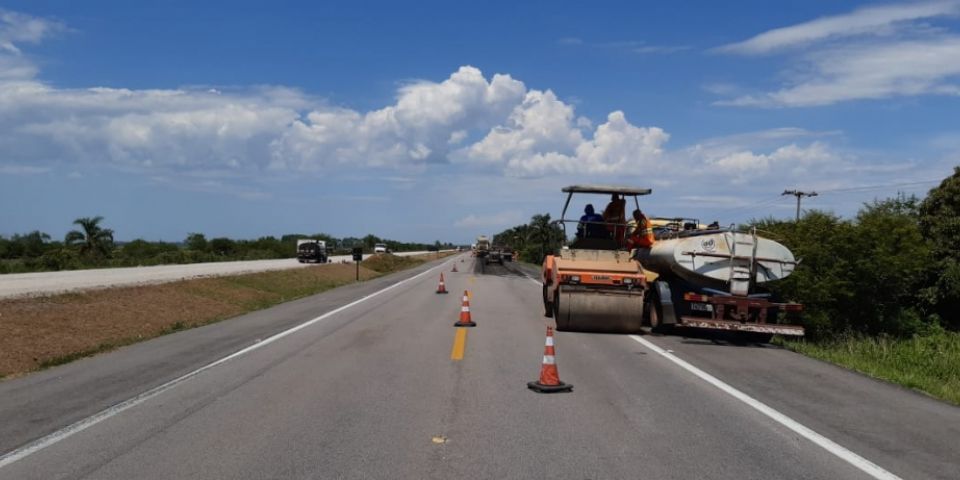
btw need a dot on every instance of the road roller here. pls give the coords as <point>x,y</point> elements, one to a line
<point>593,284</point>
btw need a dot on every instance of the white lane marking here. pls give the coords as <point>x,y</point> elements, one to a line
<point>102,415</point>
<point>836,449</point>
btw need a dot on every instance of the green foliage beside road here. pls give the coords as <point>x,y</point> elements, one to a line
<point>534,240</point>
<point>93,246</point>
<point>928,363</point>
<point>881,291</point>
<point>867,276</point>
<point>891,270</point>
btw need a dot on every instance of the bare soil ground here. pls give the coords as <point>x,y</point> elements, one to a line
<point>39,332</point>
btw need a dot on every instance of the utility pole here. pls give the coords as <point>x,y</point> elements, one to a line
<point>799,194</point>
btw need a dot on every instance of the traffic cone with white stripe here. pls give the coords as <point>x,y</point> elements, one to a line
<point>441,288</point>
<point>549,381</point>
<point>465,320</point>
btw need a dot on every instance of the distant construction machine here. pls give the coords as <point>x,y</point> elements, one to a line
<point>692,277</point>
<point>483,247</point>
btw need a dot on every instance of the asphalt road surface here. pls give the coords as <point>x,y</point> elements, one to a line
<point>43,283</point>
<point>365,386</point>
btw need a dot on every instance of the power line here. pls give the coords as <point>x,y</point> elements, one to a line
<point>877,187</point>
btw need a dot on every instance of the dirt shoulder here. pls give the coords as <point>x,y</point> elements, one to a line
<point>41,332</point>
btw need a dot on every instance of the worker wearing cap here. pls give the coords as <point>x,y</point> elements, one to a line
<point>591,224</point>
<point>639,231</point>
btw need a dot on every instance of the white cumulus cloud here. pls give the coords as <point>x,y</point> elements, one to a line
<point>418,128</point>
<point>543,137</point>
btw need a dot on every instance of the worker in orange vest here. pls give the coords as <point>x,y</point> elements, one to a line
<point>641,233</point>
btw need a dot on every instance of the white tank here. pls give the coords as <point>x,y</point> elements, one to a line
<point>720,259</point>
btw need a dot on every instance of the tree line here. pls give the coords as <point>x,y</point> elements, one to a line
<point>534,240</point>
<point>893,269</point>
<point>92,245</point>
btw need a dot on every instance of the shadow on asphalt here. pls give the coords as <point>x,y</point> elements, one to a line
<point>720,339</point>
<point>508,269</point>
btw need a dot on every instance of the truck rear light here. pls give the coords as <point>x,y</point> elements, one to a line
<point>695,297</point>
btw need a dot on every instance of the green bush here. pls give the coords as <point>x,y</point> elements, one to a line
<point>863,276</point>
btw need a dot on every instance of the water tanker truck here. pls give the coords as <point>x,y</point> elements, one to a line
<point>713,278</point>
<point>483,247</point>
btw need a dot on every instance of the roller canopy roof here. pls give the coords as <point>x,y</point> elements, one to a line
<point>607,189</point>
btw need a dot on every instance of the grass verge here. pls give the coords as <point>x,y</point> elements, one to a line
<point>930,363</point>
<point>42,332</point>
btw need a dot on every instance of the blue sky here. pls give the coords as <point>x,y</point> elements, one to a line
<point>441,120</point>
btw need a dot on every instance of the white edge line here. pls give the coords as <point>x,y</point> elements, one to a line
<point>834,448</point>
<point>79,426</point>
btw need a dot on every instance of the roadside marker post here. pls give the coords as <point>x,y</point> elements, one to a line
<point>357,258</point>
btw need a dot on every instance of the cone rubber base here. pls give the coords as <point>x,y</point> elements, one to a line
<point>468,324</point>
<point>443,292</point>
<point>541,388</point>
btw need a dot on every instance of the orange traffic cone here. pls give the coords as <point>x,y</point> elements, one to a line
<point>441,288</point>
<point>549,377</point>
<point>465,320</point>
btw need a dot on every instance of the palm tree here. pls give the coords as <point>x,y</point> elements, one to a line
<point>544,234</point>
<point>93,239</point>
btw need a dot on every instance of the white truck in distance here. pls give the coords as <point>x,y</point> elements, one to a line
<point>381,248</point>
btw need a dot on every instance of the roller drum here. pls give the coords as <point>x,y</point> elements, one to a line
<point>599,311</point>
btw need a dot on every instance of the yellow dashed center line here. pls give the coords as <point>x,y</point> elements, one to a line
<point>459,344</point>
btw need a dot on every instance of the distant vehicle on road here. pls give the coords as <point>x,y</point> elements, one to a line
<point>494,256</point>
<point>310,250</point>
<point>483,247</point>
<point>381,248</point>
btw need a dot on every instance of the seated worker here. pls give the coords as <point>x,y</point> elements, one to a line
<point>591,224</point>
<point>641,236</point>
<point>614,215</point>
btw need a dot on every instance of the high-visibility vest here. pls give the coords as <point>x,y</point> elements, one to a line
<point>646,234</point>
<point>642,235</point>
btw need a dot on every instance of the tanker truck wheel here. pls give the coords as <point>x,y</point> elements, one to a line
<point>653,312</point>
<point>547,304</point>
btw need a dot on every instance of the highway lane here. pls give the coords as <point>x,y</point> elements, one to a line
<point>371,392</point>
<point>45,283</point>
